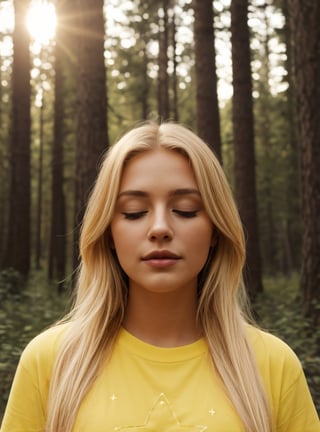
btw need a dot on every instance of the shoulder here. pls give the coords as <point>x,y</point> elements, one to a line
<point>285,383</point>
<point>267,345</point>
<point>275,358</point>
<point>43,348</point>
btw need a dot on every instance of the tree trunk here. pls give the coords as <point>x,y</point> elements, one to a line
<point>92,136</point>
<point>264,108</point>
<point>243,129</point>
<point>145,87</point>
<point>163,79</point>
<point>3,176</point>
<point>294,211</point>
<point>18,247</point>
<point>305,18</point>
<point>208,118</point>
<point>175,83</point>
<point>57,252</point>
<point>38,251</point>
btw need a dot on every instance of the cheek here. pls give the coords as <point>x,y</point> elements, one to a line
<point>200,242</point>
<point>121,250</point>
<point>126,239</point>
<point>118,236</point>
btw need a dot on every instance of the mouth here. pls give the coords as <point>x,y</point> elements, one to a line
<point>161,255</point>
<point>161,259</point>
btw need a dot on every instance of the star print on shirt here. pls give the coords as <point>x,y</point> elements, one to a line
<point>162,417</point>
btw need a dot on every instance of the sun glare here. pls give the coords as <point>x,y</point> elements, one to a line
<point>41,21</point>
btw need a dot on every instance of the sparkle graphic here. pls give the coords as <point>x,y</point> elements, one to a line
<point>162,415</point>
<point>212,412</point>
<point>113,397</point>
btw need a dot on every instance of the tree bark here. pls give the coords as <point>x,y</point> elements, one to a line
<point>4,197</point>
<point>57,252</point>
<point>294,211</point>
<point>175,83</point>
<point>38,248</point>
<point>243,129</point>
<point>163,79</point>
<point>305,18</point>
<point>264,108</point>
<point>92,131</point>
<point>208,117</point>
<point>18,247</point>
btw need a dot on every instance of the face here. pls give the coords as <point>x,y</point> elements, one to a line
<point>161,232</point>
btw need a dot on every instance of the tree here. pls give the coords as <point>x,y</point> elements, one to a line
<point>18,247</point>
<point>293,223</point>
<point>57,249</point>
<point>264,121</point>
<point>243,131</point>
<point>305,18</point>
<point>173,29</point>
<point>163,79</point>
<point>133,79</point>
<point>92,131</point>
<point>4,156</point>
<point>38,251</point>
<point>208,119</point>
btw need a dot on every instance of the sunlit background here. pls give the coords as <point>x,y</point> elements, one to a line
<point>41,23</point>
<point>41,20</point>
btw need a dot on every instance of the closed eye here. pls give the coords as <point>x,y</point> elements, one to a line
<point>185,213</point>
<point>134,215</point>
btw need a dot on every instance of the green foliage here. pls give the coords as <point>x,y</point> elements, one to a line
<point>27,307</point>
<point>280,311</point>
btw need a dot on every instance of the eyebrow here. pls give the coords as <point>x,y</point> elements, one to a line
<point>176,192</point>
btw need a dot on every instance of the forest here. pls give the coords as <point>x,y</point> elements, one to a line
<point>75,75</point>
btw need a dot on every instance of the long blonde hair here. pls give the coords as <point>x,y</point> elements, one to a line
<point>101,295</point>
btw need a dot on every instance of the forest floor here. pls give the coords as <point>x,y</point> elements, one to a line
<point>29,307</point>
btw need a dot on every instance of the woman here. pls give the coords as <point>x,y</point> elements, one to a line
<point>157,339</point>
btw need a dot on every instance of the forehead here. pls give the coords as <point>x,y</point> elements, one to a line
<point>158,168</point>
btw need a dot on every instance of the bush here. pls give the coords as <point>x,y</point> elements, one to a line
<point>27,307</point>
<point>280,311</point>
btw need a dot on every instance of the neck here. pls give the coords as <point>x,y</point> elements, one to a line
<point>165,319</point>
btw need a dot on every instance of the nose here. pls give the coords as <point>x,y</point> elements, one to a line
<point>160,228</point>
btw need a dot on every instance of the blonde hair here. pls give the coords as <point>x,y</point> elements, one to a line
<point>94,324</point>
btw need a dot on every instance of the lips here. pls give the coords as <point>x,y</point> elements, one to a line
<point>161,255</point>
<point>161,259</point>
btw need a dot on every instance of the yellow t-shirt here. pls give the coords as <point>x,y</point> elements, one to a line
<point>144,388</point>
